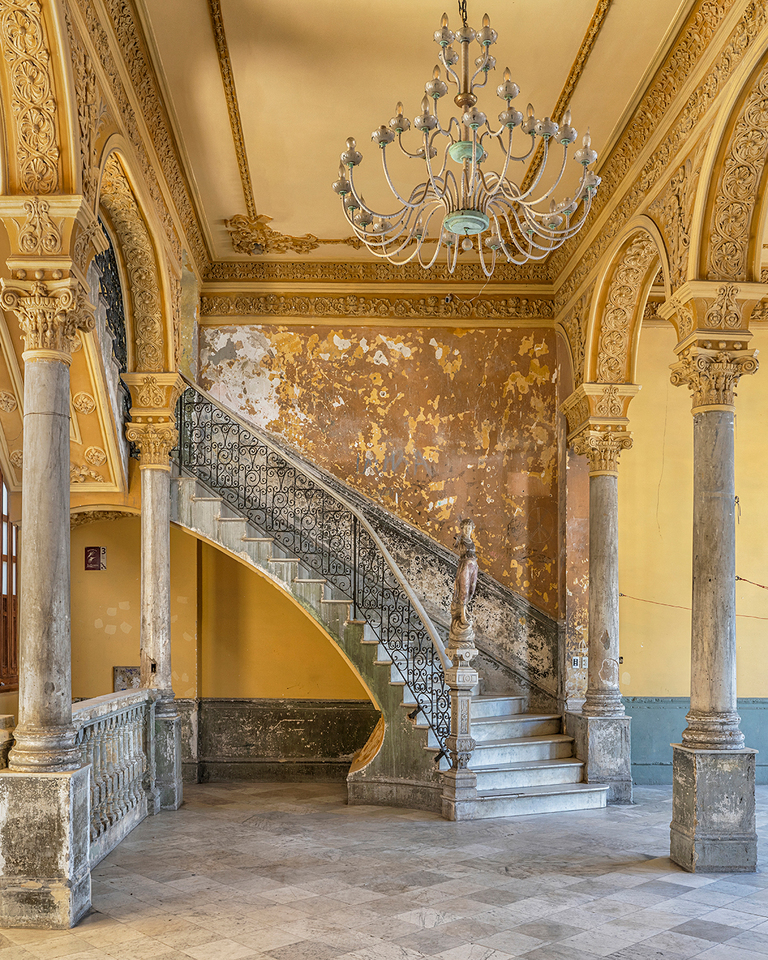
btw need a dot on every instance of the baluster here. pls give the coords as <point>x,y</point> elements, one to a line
<point>112,812</point>
<point>120,765</point>
<point>88,757</point>
<point>136,758</point>
<point>100,817</point>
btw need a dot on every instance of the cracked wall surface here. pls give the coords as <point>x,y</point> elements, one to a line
<point>433,424</point>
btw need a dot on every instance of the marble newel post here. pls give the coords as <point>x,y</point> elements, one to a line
<point>460,783</point>
<point>601,729</point>
<point>713,825</point>
<point>153,430</point>
<point>44,873</point>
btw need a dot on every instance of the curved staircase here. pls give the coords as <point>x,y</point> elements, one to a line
<point>523,761</point>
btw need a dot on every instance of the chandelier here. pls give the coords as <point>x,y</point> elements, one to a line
<point>460,204</point>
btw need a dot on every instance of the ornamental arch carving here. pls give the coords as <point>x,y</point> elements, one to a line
<point>732,212</point>
<point>617,306</point>
<point>148,283</point>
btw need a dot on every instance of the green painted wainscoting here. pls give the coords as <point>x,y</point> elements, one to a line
<point>659,721</point>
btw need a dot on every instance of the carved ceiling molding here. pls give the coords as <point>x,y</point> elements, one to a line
<point>39,235</point>
<point>337,272</point>
<point>140,264</point>
<point>91,111</point>
<point>620,308</point>
<point>33,104</point>
<point>82,517</point>
<point>80,473</point>
<point>396,308</point>
<point>702,26</point>
<point>737,188</point>
<point>142,77</point>
<point>577,68</point>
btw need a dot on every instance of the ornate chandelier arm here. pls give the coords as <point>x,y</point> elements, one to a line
<point>503,175</point>
<point>545,196</point>
<point>405,203</point>
<point>453,77</point>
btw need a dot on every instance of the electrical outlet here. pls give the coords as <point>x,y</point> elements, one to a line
<point>575,662</point>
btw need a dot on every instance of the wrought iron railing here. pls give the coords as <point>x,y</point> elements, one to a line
<point>115,736</point>
<point>305,517</point>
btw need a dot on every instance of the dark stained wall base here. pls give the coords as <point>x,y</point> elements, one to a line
<point>659,721</point>
<point>282,740</point>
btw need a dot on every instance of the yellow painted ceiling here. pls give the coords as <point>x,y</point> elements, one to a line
<point>309,73</point>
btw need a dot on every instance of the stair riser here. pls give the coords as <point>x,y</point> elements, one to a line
<point>309,593</point>
<point>259,552</point>
<point>512,779</point>
<point>529,806</point>
<point>519,753</point>
<point>501,707</point>
<point>512,729</point>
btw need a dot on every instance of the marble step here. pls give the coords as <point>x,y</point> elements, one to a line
<point>494,752</point>
<point>529,773</point>
<point>516,726</point>
<point>485,707</point>
<point>527,801</point>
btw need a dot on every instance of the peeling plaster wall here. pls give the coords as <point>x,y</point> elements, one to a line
<point>433,424</point>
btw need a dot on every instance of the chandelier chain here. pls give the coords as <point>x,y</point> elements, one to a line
<point>463,12</point>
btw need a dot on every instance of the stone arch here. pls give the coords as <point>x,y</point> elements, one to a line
<point>617,307</point>
<point>148,282</point>
<point>731,213</point>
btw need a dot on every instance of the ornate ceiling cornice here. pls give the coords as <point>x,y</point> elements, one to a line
<point>425,310</point>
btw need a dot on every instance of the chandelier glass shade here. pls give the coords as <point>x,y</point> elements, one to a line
<point>460,203</point>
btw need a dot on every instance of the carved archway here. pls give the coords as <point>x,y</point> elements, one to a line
<point>617,306</point>
<point>734,208</point>
<point>152,350</point>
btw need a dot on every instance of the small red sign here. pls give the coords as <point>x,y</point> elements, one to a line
<point>95,558</point>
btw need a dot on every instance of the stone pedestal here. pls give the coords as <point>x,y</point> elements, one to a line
<point>45,879</point>
<point>713,810</point>
<point>168,779</point>
<point>603,744</point>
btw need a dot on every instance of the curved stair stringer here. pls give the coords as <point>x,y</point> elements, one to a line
<point>397,765</point>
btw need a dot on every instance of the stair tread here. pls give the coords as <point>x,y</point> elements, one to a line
<point>515,741</point>
<point>516,717</point>
<point>543,790</point>
<point>529,765</point>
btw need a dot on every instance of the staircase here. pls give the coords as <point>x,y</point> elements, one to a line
<point>231,476</point>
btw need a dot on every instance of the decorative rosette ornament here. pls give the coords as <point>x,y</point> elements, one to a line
<point>461,203</point>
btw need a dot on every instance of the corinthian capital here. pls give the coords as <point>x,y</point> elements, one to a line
<point>153,427</point>
<point>50,312</point>
<point>602,447</point>
<point>711,369</point>
<point>155,440</point>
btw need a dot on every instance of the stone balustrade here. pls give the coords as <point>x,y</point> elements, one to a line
<point>115,735</point>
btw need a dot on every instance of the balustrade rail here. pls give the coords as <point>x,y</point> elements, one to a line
<point>305,517</point>
<point>115,736</point>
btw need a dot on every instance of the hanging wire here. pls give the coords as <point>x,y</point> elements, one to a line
<point>463,12</point>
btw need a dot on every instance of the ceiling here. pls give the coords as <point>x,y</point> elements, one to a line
<point>309,73</point>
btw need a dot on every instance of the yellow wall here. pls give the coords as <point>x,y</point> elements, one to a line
<point>257,643</point>
<point>106,610</point>
<point>655,528</point>
<point>9,703</point>
<point>254,641</point>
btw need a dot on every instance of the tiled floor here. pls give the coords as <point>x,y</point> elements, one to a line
<point>289,872</point>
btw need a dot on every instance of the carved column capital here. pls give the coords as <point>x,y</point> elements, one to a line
<point>50,312</point>
<point>602,447</point>
<point>598,406</point>
<point>711,368</point>
<point>700,306</point>
<point>153,424</point>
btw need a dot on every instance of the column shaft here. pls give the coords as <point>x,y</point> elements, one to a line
<point>45,736</point>
<point>156,580</point>
<point>713,722</point>
<point>603,694</point>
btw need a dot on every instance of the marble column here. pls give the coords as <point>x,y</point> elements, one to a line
<point>601,729</point>
<point>152,429</point>
<point>713,826</point>
<point>44,873</point>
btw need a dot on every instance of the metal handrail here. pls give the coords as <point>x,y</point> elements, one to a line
<point>262,481</point>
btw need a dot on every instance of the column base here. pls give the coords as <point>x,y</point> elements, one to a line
<point>603,705</point>
<point>44,750</point>
<point>45,876</point>
<point>713,810</point>
<point>459,791</point>
<point>603,744</point>
<point>168,781</point>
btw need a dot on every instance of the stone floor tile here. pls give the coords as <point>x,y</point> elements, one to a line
<point>726,951</point>
<point>430,941</point>
<point>511,942</point>
<point>734,918</point>
<point>706,930</point>
<point>220,950</point>
<point>305,950</point>
<point>473,951</point>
